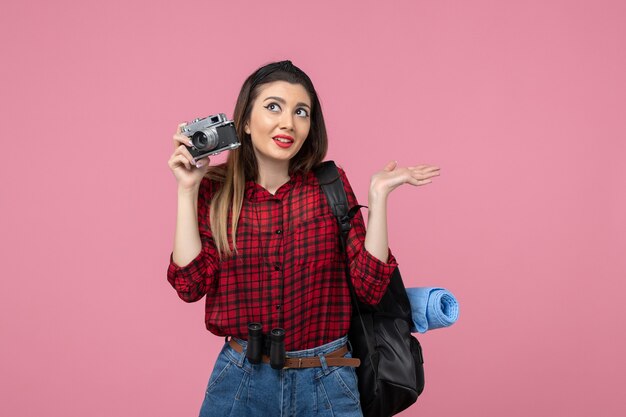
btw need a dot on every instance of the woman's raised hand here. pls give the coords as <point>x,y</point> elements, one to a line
<point>392,176</point>
<point>188,172</point>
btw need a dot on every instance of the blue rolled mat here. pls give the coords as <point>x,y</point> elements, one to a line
<point>432,308</point>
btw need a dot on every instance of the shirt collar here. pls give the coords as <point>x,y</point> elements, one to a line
<point>254,192</point>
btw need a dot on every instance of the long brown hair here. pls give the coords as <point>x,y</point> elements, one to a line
<point>241,165</point>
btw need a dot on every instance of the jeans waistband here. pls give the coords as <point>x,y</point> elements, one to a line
<point>319,350</point>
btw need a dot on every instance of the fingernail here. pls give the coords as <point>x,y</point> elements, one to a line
<point>193,161</point>
<point>199,164</point>
<point>190,142</point>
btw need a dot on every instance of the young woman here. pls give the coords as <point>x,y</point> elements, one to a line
<point>257,237</point>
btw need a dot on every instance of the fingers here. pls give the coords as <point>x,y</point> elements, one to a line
<point>422,174</point>
<point>180,139</point>
<point>415,181</point>
<point>424,171</point>
<point>391,166</point>
<point>181,153</point>
<point>425,168</point>
<point>182,150</point>
<point>180,160</point>
<point>181,143</point>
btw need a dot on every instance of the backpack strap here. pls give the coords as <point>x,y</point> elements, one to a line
<point>330,181</point>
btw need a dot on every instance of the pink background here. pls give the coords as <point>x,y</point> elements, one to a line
<point>521,104</point>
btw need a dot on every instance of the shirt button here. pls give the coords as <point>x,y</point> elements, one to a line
<point>278,307</point>
<point>279,231</point>
<point>276,267</point>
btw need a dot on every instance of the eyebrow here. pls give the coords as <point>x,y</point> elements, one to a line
<point>282,100</point>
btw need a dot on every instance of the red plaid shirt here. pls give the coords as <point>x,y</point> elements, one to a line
<point>290,270</point>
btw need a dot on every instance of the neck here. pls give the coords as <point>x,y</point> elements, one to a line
<point>271,178</point>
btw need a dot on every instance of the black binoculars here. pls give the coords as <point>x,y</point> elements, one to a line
<point>256,343</point>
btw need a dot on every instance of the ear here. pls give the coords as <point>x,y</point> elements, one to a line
<point>247,128</point>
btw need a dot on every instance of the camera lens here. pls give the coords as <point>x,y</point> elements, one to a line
<point>205,139</point>
<point>199,140</point>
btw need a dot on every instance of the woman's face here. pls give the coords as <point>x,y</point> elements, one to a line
<point>279,121</point>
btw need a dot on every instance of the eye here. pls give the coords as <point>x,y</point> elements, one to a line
<point>302,112</point>
<point>273,107</point>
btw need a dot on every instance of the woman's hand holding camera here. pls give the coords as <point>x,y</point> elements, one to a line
<point>188,172</point>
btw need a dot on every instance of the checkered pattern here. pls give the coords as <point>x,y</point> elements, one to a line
<point>290,270</point>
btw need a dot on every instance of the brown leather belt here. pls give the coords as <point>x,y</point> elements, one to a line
<point>334,358</point>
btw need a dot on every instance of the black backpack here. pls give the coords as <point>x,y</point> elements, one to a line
<point>391,374</point>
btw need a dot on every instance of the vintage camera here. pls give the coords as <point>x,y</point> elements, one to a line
<point>210,135</point>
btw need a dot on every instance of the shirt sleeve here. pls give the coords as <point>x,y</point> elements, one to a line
<point>370,276</point>
<point>198,277</point>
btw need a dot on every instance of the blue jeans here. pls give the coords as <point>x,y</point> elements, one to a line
<point>238,388</point>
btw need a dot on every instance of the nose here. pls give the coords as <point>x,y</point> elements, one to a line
<point>286,121</point>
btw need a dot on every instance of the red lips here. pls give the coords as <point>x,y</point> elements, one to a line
<point>284,137</point>
<point>283,144</point>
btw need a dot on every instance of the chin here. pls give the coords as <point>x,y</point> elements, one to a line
<point>287,153</point>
